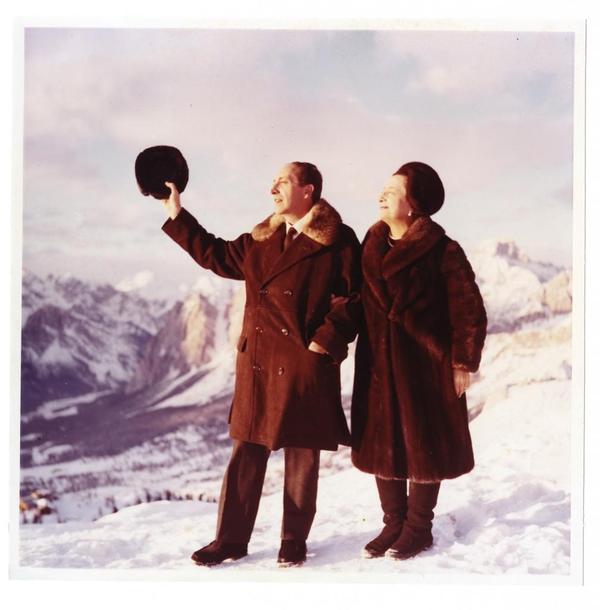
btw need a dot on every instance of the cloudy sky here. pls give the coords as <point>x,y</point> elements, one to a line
<point>491,111</point>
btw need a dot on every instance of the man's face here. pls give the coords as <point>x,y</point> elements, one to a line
<point>393,203</point>
<point>289,197</point>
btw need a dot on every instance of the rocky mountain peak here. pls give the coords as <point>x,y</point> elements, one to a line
<point>185,341</point>
<point>503,248</point>
<point>516,289</point>
<point>80,337</point>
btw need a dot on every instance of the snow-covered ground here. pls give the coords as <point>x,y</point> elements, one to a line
<point>511,515</point>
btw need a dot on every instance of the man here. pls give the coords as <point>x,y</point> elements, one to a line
<point>301,266</point>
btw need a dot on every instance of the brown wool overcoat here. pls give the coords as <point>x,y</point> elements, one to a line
<point>286,395</point>
<point>423,315</point>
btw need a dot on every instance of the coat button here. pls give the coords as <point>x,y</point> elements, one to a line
<point>263,291</point>
<point>259,329</point>
<point>256,367</point>
<point>280,370</point>
<point>285,331</point>
<point>288,293</point>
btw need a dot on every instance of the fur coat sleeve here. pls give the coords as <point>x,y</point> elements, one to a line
<point>468,320</point>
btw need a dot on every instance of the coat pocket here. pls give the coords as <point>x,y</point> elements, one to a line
<point>319,359</point>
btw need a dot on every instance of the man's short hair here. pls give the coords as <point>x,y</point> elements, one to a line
<point>308,173</point>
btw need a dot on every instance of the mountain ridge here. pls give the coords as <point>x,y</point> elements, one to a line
<point>188,386</point>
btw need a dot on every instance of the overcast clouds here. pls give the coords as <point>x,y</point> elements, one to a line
<point>492,112</point>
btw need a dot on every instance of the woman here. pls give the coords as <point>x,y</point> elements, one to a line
<point>424,329</point>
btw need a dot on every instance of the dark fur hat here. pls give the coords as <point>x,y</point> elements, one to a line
<point>424,187</point>
<point>159,164</point>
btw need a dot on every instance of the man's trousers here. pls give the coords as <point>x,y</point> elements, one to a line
<point>242,488</point>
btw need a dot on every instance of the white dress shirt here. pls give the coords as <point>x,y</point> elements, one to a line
<point>299,226</point>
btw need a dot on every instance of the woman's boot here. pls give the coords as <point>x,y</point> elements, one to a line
<point>392,495</point>
<point>416,530</point>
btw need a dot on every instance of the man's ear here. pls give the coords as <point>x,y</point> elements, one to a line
<point>309,190</point>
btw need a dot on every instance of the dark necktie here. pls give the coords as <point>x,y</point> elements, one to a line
<point>289,237</point>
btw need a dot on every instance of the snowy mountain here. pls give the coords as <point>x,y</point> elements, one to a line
<point>194,332</point>
<point>79,338</point>
<point>161,433</point>
<point>517,290</point>
<point>94,300</point>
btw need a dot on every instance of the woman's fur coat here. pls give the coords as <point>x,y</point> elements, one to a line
<point>423,316</point>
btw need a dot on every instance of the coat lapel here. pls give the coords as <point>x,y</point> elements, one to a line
<point>301,248</point>
<point>381,262</point>
<point>375,247</point>
<point>420,237</point>
<point>320,231</point>
<point>268,254</point>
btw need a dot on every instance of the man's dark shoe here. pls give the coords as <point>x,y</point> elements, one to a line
<point>291,553</point>
<point>412,541</point>
<point>216,552</point>
<point>379,545</point>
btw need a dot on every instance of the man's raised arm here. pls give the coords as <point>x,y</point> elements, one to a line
<point>225,258</point>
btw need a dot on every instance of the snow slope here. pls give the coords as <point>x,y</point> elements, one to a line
<point>511,515</point>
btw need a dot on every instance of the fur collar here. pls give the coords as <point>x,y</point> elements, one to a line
<point>380,262</point>
<point>322,226</point>
<point>420,237</point>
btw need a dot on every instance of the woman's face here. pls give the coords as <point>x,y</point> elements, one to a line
<point>393,203</point>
